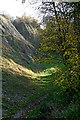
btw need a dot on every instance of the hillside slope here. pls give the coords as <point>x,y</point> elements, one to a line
<point>29,28</point>
<point>20,85</point>
<point>17,62</point>
<point>14,44</point>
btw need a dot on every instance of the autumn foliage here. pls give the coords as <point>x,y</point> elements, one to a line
<point>63,39</point>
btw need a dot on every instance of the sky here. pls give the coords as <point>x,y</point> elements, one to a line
<point>15,8</point>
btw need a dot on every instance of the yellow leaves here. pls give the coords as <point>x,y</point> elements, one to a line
<point>71,71</point>
<point>65,53</point>
<point>48,53</point>
<point>70,25</point>
<point>64,42</point>
<point>77,55</point>
<point>60,2</point>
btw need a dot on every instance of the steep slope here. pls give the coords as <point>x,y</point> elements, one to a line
<point>14,45</point>
<point>20,85</point>
<point>29,28</point>
<point>17,61</point>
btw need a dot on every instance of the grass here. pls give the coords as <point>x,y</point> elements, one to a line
<point>22,84</point>
<point>57,105</point>
<point>18,92</point>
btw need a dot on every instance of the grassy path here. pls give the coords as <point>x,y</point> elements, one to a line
<point>23,112</point>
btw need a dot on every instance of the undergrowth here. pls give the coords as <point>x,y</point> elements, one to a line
<point>60,104</point>
<point>20,90</point>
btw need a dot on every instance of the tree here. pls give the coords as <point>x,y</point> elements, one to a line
<point>62,37</point>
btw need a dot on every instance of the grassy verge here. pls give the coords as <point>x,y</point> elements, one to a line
<point>59,104</point>
<point>19,91</point>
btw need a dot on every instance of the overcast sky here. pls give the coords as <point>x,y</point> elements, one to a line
<point>15,8</point>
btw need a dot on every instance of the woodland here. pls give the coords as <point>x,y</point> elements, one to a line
<point>41,67</point>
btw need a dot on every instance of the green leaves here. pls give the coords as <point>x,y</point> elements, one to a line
<point>63,40</point>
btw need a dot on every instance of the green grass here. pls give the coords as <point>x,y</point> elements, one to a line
<point>20,89</point>
<point>16,86</point>
<point>58,104</point>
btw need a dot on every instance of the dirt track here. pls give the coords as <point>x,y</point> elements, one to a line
<point>25,111</point>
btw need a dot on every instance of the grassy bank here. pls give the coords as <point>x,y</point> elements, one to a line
<point>21,86</point>
<point>59,104</point>
<point>19,91</point>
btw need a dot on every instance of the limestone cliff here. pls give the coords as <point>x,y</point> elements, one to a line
<point>14,45</point>
<point>29,28</point>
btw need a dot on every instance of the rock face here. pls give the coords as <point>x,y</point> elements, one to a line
<point>29,28</point>
<point>14,44</point>
<point>17,65</point>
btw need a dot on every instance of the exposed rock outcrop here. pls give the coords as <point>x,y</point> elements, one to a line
<point>14,44</point>
<point>29,28</point>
